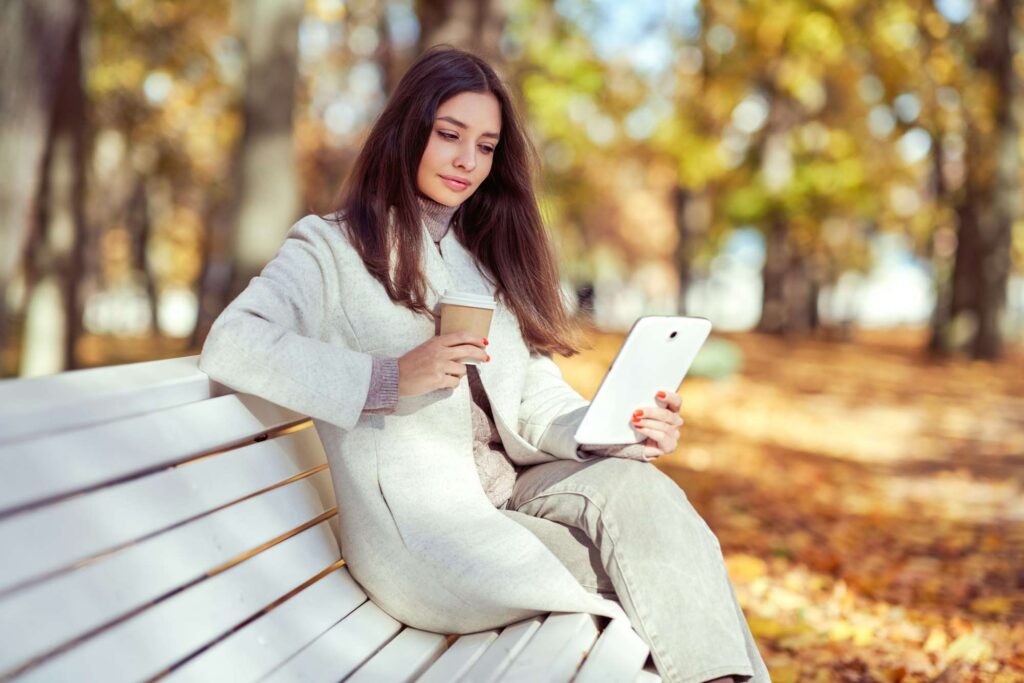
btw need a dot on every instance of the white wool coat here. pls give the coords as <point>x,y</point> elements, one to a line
<point>417,530</point>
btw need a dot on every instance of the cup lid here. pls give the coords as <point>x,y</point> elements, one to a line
<point>468,299</point>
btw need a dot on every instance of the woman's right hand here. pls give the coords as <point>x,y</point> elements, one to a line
<point>434,364</point>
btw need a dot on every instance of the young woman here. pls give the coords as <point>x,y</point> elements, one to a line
<point>465,506</point>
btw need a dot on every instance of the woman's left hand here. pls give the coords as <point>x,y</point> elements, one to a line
<point>660,423</point>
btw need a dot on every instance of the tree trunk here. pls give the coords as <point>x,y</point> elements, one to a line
<point>215,281</point>
<point>789,302</point>
<point>139,227</point>
<point>269,185</point>
<point>474,25</point>
<point>938,341</point>
<point>997,220</point>
<point>70,128</point>
<point>267,203</point>
<point>36,36</point>
<point>684,246</point>
<point>53,317</point>
<point>386,56</point>
<point>989,202</point>
<point>790,287</point>
<point>773,275</point>
<point>692,218</point>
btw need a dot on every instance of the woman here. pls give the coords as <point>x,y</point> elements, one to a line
<point>465,506</point>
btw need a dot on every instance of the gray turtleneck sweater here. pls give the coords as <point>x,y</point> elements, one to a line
<point>497,472</point>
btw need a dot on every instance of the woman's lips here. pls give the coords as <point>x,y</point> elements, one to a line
<point>454,184</point>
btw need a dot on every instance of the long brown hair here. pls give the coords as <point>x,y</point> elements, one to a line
<point>500,224</point>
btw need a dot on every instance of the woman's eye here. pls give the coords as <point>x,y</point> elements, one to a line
<point>486,149</point>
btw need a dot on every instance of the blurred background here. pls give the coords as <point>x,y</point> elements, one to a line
<point>835,184</point>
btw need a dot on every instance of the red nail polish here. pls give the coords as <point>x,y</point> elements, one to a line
<point>638,411</point>
<point>661,394</point>
<point>486,342</point>
<point>488,358</point>
<point>636,419</point>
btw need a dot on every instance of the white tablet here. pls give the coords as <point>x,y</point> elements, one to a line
<point>655,356</point>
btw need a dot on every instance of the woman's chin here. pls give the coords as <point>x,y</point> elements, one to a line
<point>448,198</point>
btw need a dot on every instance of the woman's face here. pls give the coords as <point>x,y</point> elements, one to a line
<point>460,149</point>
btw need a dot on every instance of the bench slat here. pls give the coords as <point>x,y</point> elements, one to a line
<point>503,650</point>
<point>618,655</point>
<point>60,534</point>
<point>458,658</point>
<point>405,657</point>
<point>169,631</point>
<point>72,461</point>
<point>555,651</point>
<point>69,400</point>
<point>46,615</point>
<point>258,647</point>
<point>340,650</point>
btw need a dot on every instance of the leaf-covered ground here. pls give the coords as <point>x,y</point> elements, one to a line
<point>868,501</point>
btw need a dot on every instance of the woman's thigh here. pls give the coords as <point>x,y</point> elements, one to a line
<point>632,495</point>
<point>605,478</point>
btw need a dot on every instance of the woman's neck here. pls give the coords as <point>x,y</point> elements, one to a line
<point>436,216</point>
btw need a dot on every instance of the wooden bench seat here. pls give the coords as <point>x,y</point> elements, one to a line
<point>156,525</point>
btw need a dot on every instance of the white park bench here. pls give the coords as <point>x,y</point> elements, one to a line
<point>156,525</point>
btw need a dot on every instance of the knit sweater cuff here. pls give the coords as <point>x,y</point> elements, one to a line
<point>383,395</point>
<point>630,451</point>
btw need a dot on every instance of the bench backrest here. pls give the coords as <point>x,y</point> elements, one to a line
<point>147,514</point>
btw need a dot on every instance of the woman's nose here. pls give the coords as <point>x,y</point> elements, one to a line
<point>466,160</point>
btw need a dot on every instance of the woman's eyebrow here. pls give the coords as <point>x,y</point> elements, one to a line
<point>460,124</point>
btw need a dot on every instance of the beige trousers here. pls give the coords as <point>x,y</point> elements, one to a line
<point>624,527</point>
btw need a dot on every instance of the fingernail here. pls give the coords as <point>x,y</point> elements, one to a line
<point>636,418</point>
<point>638,411</point>
<point>486,342</point>
<point>661,394</point>
<point>488,359</point>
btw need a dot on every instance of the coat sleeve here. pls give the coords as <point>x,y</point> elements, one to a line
<point>269,340</point>
<point>551,410</point>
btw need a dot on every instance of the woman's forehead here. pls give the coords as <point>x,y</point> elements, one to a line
<point>473,111</point>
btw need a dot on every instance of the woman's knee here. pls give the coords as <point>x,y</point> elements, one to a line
<point>641,490</point>
<point>637,480</point>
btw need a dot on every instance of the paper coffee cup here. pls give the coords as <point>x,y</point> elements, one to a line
<point>466,312</point>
